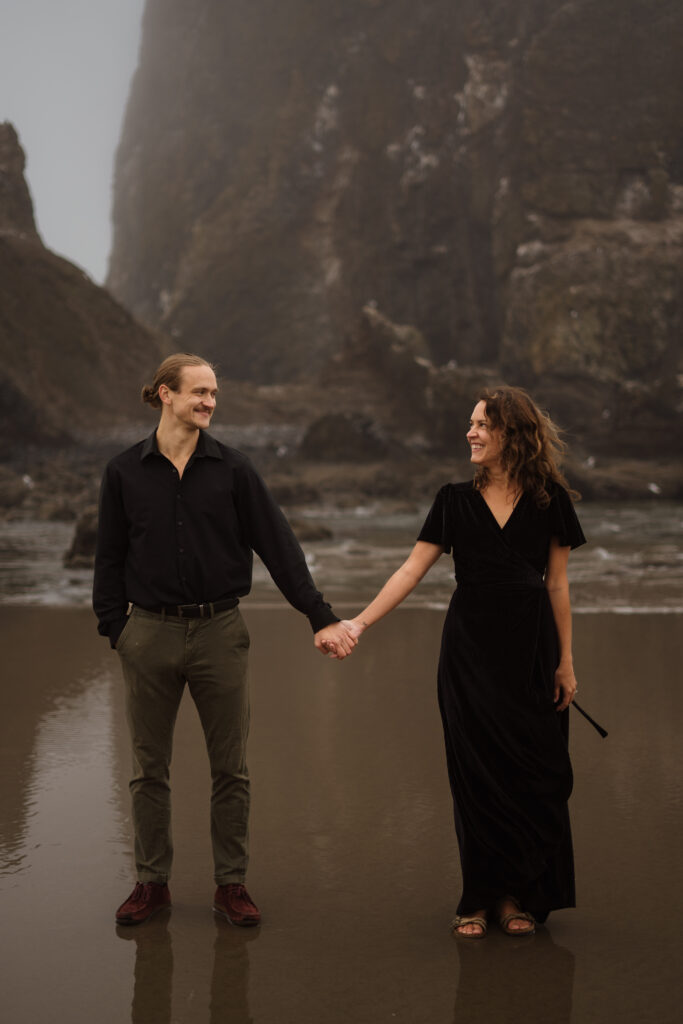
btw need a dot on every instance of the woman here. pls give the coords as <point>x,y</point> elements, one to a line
<point>505,676</point>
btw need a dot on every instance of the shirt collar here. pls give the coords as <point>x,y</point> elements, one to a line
<point>150,447</point>
<point>206,446</point>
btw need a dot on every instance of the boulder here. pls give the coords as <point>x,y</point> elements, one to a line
<point>308,530</point>
<point>14,489</point>
<point>81,554</point>
<point>336,437</point>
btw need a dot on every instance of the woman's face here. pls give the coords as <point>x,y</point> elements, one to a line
<point>485,442</point>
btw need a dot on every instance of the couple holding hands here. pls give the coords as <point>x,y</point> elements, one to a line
<point>180,516</point>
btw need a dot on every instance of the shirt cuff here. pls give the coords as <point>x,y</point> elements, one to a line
<point>321,617</point>
<point>113,630</point>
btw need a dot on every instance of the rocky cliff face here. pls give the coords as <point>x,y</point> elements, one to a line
<point>507,177</point>
<point>72,360</point>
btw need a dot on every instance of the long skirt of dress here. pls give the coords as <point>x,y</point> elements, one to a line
<point>506,748</point>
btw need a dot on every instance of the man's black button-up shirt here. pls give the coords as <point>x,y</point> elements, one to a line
<point>168,540</point>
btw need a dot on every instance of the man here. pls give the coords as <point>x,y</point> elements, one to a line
<point>179,516</point>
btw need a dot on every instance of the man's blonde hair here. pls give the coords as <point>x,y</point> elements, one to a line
<point>170,373</point>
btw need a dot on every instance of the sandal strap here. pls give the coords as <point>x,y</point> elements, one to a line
<point>459,922</point>
<point>518,915</point>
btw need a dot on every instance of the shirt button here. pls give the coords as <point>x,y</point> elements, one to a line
<point>180,522</point>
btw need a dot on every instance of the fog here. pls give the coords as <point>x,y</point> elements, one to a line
<point>65,72</point>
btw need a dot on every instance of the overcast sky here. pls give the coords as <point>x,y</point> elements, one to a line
<point>65,73</point>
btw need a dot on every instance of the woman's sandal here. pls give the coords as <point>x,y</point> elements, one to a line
<point>516,915</point>
<point>459,922</point>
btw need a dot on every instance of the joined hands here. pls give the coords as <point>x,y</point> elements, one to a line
<point>338,640</point>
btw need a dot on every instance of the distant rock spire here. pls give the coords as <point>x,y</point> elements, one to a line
<point>16,207</point>
<point>72,360</point>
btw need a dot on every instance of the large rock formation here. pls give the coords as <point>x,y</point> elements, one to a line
<point>283,164</point>
<point>505,176</point>
<point>72,359</point>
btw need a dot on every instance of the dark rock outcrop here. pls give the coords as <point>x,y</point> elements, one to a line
<point>72,359</point>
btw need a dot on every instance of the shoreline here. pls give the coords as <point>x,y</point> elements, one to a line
<point>632,564</point>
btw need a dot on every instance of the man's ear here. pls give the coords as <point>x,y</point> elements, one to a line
<point>164,394</point>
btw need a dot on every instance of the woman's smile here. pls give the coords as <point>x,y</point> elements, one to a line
<point>484,442</point>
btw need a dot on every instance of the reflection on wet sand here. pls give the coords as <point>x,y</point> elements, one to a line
<point>354,860</point>
<point>153,971</point>
<point>230,976</point>
<point>514,980</point>
<point>54,701</point>
<point>220,999</point>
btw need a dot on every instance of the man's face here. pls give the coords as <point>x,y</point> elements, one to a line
<point>194,402</point>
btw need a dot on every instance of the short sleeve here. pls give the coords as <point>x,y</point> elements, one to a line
<point>437,525</point>
<point>564,523</point>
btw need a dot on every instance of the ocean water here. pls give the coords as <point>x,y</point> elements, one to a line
<point>633,562</point>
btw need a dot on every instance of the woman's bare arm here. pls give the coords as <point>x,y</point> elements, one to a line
<point>398,586</point>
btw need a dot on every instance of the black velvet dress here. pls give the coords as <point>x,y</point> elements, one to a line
<point>506,745</point>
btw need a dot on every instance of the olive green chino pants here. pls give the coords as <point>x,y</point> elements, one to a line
<point>159,655</point>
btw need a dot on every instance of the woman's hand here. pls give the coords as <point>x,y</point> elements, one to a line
<point>355,626</point>
<point>565,686</point>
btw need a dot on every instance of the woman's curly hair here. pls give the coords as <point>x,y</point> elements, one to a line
<point>531,447</point>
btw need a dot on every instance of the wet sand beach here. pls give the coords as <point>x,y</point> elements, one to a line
<point>354,861</point>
